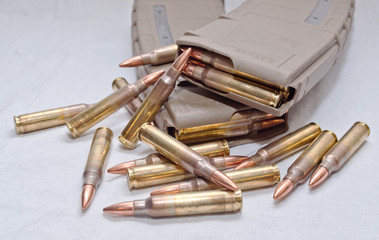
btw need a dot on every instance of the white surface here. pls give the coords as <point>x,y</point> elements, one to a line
<point>58,53</point>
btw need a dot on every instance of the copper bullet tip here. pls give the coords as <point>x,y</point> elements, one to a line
<point>196,63</point>
<point>197,54</point>
<point>121,168</point>
<point>231,161</point>
<point>88,191</point>
<point>152,78</point>
<point>222,180</point>
<point>272,123</point>
<point>319,176</point>
<point>188,70</point>
<point>170,189</point>
<point>181,61</point>
<point>245,164</point>
<point>122,209</point>
<point>283,189</point>
<point>132,62</point>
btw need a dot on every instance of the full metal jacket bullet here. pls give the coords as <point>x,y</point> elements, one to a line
<point>340,152</point>
<point>305,163</point>
<point>248,178</point>
<point>48,118</point>
<point>101,110</point>
<point>183,156</point>
<point>168,172</point>
<point>153,102</point>
<point>190,203</point>
<point>283,147</point>
<point>210,149</point>
<point>158,56</point>
<point>121,82</point>
<point>226,82</point>
<point>96,163</point>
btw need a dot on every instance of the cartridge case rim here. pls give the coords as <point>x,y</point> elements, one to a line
<point>128,144</point>
<point>335,136</point>
<point>72,129</point>
<point>364,124</point>
<point>117,79</point>
<point>276,171</point>
<point>226,146</point>
<point>108,131</point>
<point>17,125</point>
<point>318,126</point>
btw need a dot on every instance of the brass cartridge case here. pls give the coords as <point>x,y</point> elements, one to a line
<point>180,204</point>
<point>168,172</point>
<point>101,110</point>
<point>248,178</point>
<point>210,149</point>
<point>226,82</point>
<point>311,157</point>
<point>45,119</point>
<point>133,105</point>
<point>284,146</point>
<point>153,102</point>
<point>225,64</point>
<point>230,129</point>
<point>345,147</point>
<point>98,155</point>
<point>183,156</point>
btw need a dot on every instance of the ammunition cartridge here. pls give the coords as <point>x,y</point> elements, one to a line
<point>225,64</point>
<point>156,57</point>
<point>248,178</point>
<point>167,172</point>
<point>283,147</point>
<point>190,203</point>
<point>226,82</point>
<point>101,110</point>
<point>153,102</point>
<point>96,164</point>
<point>340,152</point>
<point>183,155</point>
<point>230,129</point>
<point>133,105</point>
<point>45,119</point>
<point>210,149</point>
<point>305,163</point>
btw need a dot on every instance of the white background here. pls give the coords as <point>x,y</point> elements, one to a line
<point>58,53</point>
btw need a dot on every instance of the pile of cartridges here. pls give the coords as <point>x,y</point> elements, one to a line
<point>211,179</point>
<point>227,83</point>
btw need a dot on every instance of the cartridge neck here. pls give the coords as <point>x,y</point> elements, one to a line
<point>172,75</point>
<point>218,162</point>
<point>204,169</point>
<point>92,178</point>
<point>294,176</point>
<point>260,158</point>
<point>330,162</point>
<point>136,87</point>
<point>139,207</point>
<point>145,58</point>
